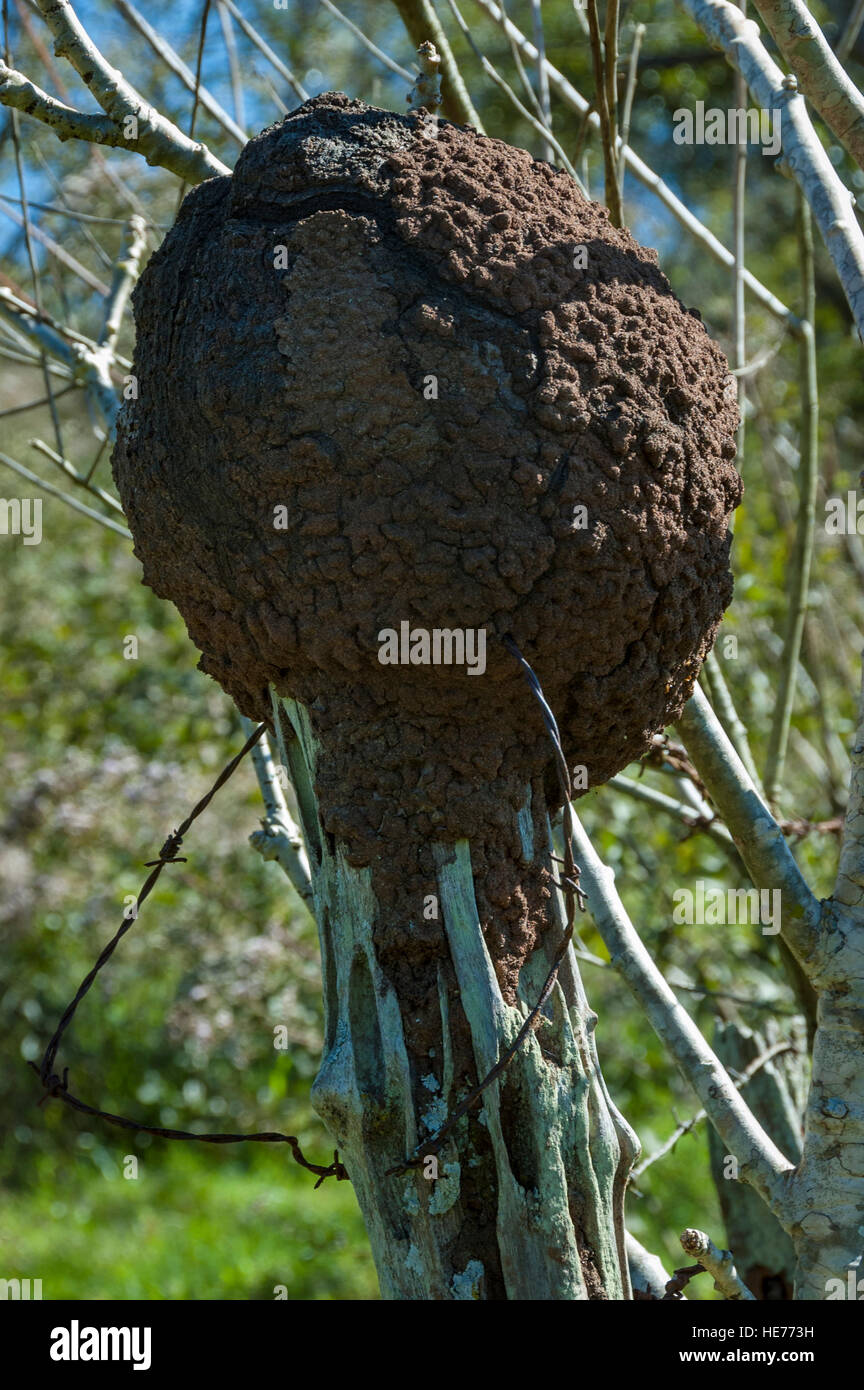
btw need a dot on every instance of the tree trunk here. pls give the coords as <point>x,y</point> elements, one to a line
<point>764,1253</point>
<point>525,1199</point>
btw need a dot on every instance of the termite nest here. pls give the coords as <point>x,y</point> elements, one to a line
<point>393,371</point>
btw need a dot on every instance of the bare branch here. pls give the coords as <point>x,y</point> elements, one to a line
<point>756,833</point>
<point>760,1161</point>
<point>64,496</point>
<point>423,24</point>
<point>678,1133</point>
<point>162,48</point>
<point>820,75</point>
<point>803,155</point>
<point>136,125</point>
<point>632,787</point>
<point>492,72</point>
<point>367,42</point>
<point>720,1264</point>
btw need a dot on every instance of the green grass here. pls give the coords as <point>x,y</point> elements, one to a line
<point>191,1226</point>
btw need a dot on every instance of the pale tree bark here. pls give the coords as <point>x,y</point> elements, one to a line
<point>803,155</point>
<point>822,1201</point>
<point>820,75</point>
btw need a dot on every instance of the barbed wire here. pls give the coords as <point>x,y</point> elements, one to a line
<point>57,1088</point>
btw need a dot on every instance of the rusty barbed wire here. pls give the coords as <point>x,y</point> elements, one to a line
<point>568,882</point>
<point>57,1088</point>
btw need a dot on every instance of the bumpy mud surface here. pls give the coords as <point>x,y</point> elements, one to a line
<point>303,380</point>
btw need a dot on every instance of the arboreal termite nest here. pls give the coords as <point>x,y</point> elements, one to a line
<point>392,372</point>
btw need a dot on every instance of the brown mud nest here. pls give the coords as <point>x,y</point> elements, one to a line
<point>394,372</point>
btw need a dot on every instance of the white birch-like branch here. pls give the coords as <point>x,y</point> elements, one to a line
<point>647,1274</point>
<point>162,48</point>
<point>87,363</point>
<point>803,155</point>
<point>761,1163</point>
<point>820,75</point>
<point>757,835</point>
<point>131,123</point>
<point>279,837</point>
<point>720,1264</point>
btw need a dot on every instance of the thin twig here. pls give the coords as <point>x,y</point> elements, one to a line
<point>499,81</point>
<point>694,822</point>
<point>162,48</point>
<point>71,472</point>
<point>808,481</point>
<point>740,1082</point>
<point>542,75</point>
<point>373,48</point>
<point>729,716</point>
<point>64,497</point>
<point>849,36</point>
<point>629,94</point>
<point>202,39</point>
<point>233,64</point>
<point>607,133</point>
